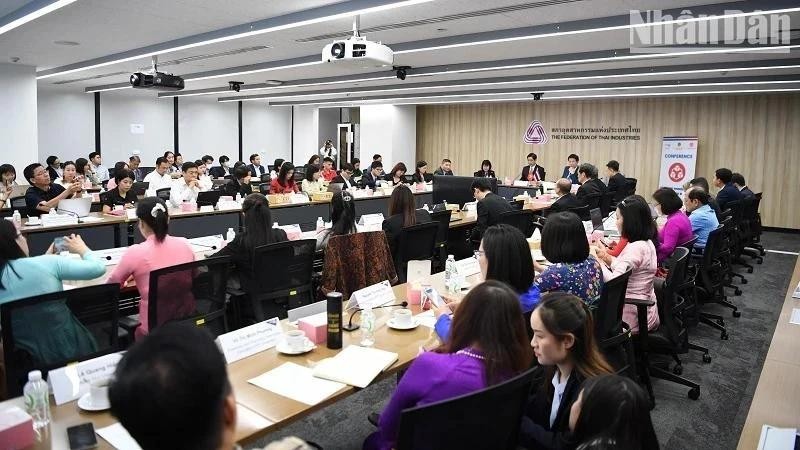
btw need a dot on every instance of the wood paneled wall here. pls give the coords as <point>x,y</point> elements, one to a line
<point>757,135</point>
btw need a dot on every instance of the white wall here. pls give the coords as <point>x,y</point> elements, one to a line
<point>306,133</point>
<point>391,131</point>
<point>119,110</point>
<point>404,135</point>
<point>19,146</point>
<point>265,130</point>
<point>207,127</point>
<point>66,124</point>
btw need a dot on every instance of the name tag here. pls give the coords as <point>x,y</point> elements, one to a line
<point>520,183</point>
<point>468,267</point>
<point>72,381</point>
<point>370,220</point>
<point>298,198</point>
<point>372,296</point>
<point>250,340</point>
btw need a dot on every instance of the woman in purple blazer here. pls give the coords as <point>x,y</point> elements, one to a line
<point>488,344</point>
<point>678,229</point>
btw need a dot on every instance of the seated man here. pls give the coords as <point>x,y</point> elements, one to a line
<point>160,177</point>
<point>490,207</point>
<point>533,171</point>
<point>445,168</point>
<point>723,179</point>
<point>738,181</point>
<point>240,184</point>
<point>587,176</point>
<point>345,176</point>
<point>701,182</point>
<point>256,169</point>
<point>703,218</point>
<point>571,169</point>
<point>371,177</point>
<point>43,194</point>
<point>186,188</point>
<point>566,199</point>
<point>616,180</point>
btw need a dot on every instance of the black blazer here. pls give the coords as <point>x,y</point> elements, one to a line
<point>368,181</point>
<point>233,187</point>
<point>564,203</point>
<point>535,431</point>
<point>729,193</point>
<point>394,225</point>
<point>592,186</point>
<point>746,192</point>
<point>218,172</point>
<point>242,256</point>
<point>485,174</point>
<point>340,179</point>
<point>571,177</point>
<point>617,183</point>
<point>426,177</point>
<point>537,168</point>
<point>389,177</point>
<point>489,211</point>
<point>53,174</point>
<point>256,172</point>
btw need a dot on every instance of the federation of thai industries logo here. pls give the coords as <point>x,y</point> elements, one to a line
<point>535,134</point>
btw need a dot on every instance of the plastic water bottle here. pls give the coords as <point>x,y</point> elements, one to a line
<point>37,399</point>
<point>17,219</point>
<point>367,327</point>
<point>230,235</point>
<point>449,268</point>
<point>274,224</point>
<point>425,207</point>
<point>238,198</point>
<point>320,224</point>
<point>445,204</point>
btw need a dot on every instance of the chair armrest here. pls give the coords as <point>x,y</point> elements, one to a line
<point>638,303</point>
<point>129,323</point>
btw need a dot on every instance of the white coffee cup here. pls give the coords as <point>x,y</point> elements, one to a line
<point>296,339</point>
<point>98,392</point>
<point>402,317</point>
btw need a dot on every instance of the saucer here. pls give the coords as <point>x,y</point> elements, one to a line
<point>283,347</point>
<point>395,326</point>
<point>85,403</point>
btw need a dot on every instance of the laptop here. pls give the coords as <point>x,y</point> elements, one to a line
<point>139,188</point>
<point>208,198</point>
<point>597,219</point>
<point>78,207</point>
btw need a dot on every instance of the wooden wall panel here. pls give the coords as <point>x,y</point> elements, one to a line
<point>757,135</point>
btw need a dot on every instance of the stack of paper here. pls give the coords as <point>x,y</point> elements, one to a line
<point>118,437</point>
<point>355,365</point>
<point>296,382</point>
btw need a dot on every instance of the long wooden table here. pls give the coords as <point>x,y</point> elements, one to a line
<point>776,400</point>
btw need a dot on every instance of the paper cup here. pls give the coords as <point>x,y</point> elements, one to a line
<point>402,317</point>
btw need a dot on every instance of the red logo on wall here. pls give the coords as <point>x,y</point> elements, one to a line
<point>535,134</point>
<point>677,172</point>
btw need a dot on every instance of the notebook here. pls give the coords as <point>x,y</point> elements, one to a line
<point>355,365</point>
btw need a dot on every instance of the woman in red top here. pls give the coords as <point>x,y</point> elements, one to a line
<point>284,184</point>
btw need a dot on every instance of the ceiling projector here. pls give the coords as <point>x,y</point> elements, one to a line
<point>358,51</point>
<point>156,80</point>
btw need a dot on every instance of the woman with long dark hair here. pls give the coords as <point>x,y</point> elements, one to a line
<point>486,170</point>
<point>563,342</point>
<point>285,183</point>
<point>84,169</point>
<point>311,184</point>
<point>488,345</point>
<point>343,218</point>
<point>69,175</point>
<point>397,173</point>
<point>158,250</point>
<point>402,213</point>
<point>421,174</point>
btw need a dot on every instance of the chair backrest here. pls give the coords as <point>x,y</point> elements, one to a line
<point>593,200</point>
<point>52,330</point>
<point>666,293</point>
<point>488,419</point>
<point>191,292</point>
<point>521,220</point>
<point>608,313</point>
<point>443,219</point>
<point>281,278</point>
<point>581,211</point>
<point>755,227</point>
<point>416,242</point>
<point>163,193</point>
<point>606,201</point>
<point>18,204</point>
<point>355,261</point>
<point>263,188</point>
<point>630,187</point>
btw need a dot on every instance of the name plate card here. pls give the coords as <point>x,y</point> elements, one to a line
<point>250,340</point>
<point>371,220</point>
<point>468,266</point>
<point>72,381</point>
<point>298,198</point>
<point>372,296</point>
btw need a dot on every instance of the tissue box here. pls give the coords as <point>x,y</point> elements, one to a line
<point>315,327</point>
<point>16,429</point>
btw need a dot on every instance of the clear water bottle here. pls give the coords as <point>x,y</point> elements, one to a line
<point>274,224</point>
<point>238,198</point>
<point>425,207</point>
<point>449,268</point>
<point>367,327</point>
<point>17,219</point>
<point>320,224</point>
<point>230,235</point>
<point>37,399</point>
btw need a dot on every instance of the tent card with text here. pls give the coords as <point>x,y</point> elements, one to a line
<point>373,296</point>
<point>72,381</point>
<point>249,340</point>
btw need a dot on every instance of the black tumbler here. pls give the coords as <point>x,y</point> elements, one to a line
<point>334,320</point>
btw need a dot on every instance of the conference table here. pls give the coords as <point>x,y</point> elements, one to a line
<point>776,400</point>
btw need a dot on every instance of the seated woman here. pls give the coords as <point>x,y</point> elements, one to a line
<point>486,170</point>
<point>84,169</point>
<point>276,167</point>
<point>49,332</point>
<point>122,195</point>
<point>396,174</point>
<point>678,229</point>
<point>69,175</point>
<point>563,341</point>
<point>636,225</point>
<point>421,174</point>
<point>285,183</point>
<point>629,426</point>
<point>205,181</point>
<point>572,269</point>
<point>402,213</point>
<point>343,218</point>
<point>158,250</point>
<point>112,183</point>
<point>504,256</point>
<point>8,175</point>
<point>239,183</point>
<point>312,184</point>
<point>488,345</point>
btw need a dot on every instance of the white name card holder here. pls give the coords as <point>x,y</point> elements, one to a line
<point>298,198</point>
<point>372,296</point>
<point>468,267</point>
<point>371,220</point>
<point>72,381</point>
<point>521,183</point>
<point>249,340</point>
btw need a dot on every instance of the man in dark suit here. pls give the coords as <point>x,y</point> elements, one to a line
<point>256,169</point>
<point>345,176</point>
<point>490,207</point>
<point>616,181</point>
<point>587,176</point>
<point>728,192</point>
<point>566,200</point>
<point>240,184</point>
<point>445,169</point>
<point>738,180</point>
<point>571,169</point>
<point>371,177</point>
<point>532,172</point>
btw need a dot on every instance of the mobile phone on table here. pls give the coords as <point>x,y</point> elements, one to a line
<point>82,437</point>
<point>60,245</point>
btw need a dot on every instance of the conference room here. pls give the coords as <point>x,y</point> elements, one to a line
<point>399,224</point>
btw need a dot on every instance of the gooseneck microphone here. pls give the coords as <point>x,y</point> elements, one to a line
<point>351,327</point>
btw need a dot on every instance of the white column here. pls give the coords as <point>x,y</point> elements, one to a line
<point>390,131</point>
<point>306,133</point>
<point>18,128</point>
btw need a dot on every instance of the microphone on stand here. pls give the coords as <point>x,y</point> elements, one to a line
<point>351,327</point>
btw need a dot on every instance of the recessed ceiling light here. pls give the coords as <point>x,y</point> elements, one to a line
<point>273,82</point>
<point>67,43</point>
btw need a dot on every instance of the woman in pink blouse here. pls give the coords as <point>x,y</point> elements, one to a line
<point>636,225</point>
<point>678,229</point>
<point>158,250</point>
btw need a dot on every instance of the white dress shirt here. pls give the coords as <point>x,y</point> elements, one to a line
<point>558,392</point>
<point>323,152</point>
<point>158,181</point>
<point>101,171</point>
<point>181,192</point>
<point>206,183</point>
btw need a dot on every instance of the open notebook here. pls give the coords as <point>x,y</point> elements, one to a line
<point>355,365</point>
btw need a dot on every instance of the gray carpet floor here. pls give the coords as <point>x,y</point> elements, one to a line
<point>714,421</point>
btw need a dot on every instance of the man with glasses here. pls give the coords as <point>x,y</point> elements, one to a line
<point>370,179</point>
<point>43,194</point>
<point>345,176</point>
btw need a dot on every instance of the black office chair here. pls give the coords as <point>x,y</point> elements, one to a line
<point>417,242</point>
<point>281,279</point>
<point>582,212</point>
<point>606,201</point>
<point>263,188</point>
<point>18,204</point>
<point>488,419</point>
<point>726,255</point>
<point>630,187</point>
<point>709,282</point>
<point>593,200</point>
<point>612,334</point>
<point>742,211</point>
<point>443,219</point>
<point>521,220</point>
<point>93,312</point>
<point>538,223</point>
<point>163,193</point>
<point>104,197</point>
<point>751,246</point>
<point>265,178</point>
<point>517,205</point>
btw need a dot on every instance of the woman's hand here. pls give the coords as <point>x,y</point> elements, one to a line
<point>75,244</point>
